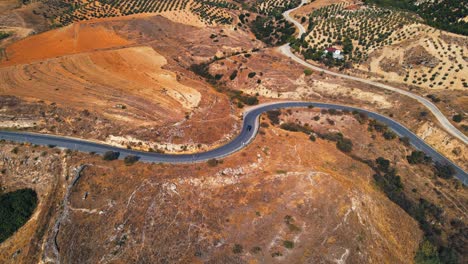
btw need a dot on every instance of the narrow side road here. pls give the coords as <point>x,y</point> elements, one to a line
<point>444,122</point>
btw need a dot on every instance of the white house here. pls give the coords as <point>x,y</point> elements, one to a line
<point>336,53</point>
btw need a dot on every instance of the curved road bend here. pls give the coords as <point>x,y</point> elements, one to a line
<point>247,134</point>
<point>445,123</point>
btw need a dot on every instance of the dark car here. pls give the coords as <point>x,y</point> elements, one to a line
<point>249,127</point>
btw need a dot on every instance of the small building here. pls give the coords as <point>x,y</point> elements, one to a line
<point>336,53</point>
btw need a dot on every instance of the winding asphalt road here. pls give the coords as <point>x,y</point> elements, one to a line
<point>445,123</point>
<point>250,127</point>
<point>248,133</point>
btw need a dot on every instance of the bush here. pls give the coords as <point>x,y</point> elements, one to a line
<point>131,159</point>
<point>445,171</point>
<point>457,118</point>
<point>212,162</point>
<point>4,35</point>
<point>15,209</point>
<point>290,127</point>
<point>295,128</point>
<point>308,72</point>
<point>252,74</point>
<point>383,164</point>
<point>377,126</point>
<point>203,71</point>
<point>249,100</point>
<point>312,138</point>
<point>237,249</point>
<point>233,75</point>
<point>274,116</point>
<point>427,253</point>
<point>345,145</point>
<point>15,150</point>
<point>389,135</point>
<point>434,98</point>
<point>256,250</point>
<point>360,117</point>
<point>288,244</point>
<point>332,136</point>
<point>405,141</point>
<point>418,157</point>
<point>111,155</point>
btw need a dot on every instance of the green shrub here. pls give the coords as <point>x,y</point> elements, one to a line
<point>288,244</point>
<point>389,135</point>
<point>237,249</point>
<point>444,171</point>
<point>4,35</point>
<point>345,145</point>
<point>15,150</point>
<point>427,253</point>
<point>249,100</point>
<point>212,162</point>
<point>233,75</point>
<point>360,117</point>
<point>405,141</point>
<point>256,250</point>
<point>131,159</point>
<point>252,74</point>
<point>308,72</point>
<point>383,164</point>
<point>15,209</point>
<point>295,128</point>
<point>418,157</point>
<point>111,155</point>
<point>377,126</point>
<point>290,127</point>
<point>457,118</point>
<point>273,115</point>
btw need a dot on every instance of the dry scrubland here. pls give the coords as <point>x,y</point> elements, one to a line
<point>266,75</point>
<point>134,81</point>
<point>250,207</point>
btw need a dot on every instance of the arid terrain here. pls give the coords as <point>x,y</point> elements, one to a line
<point>176,77</point>
<point>324,201</point>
